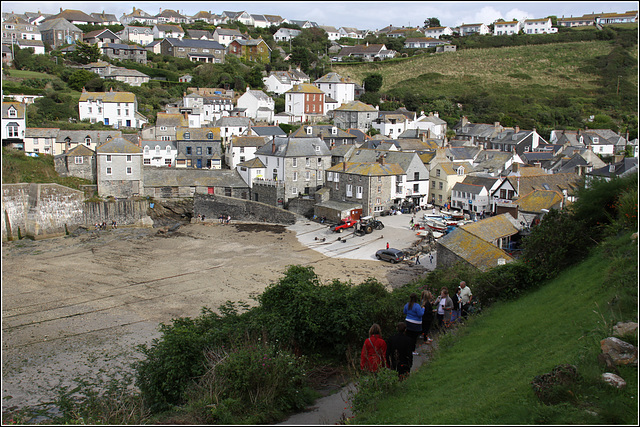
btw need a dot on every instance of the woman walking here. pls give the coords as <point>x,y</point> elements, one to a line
<point>413,318</point>
<point>374,350</point>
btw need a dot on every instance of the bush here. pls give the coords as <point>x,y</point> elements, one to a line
<point>371,387</point>
<point>255,383</point>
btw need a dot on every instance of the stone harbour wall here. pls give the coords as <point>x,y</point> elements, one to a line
<point>212,206</point>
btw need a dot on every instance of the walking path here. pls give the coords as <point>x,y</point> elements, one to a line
<point>335,408</point>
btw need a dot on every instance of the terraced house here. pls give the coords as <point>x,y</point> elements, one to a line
<point>255,50</point>
<point>199,148</point>
<point>117,109</point>
<point>195,50</point>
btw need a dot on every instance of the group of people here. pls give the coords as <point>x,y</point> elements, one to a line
<point>224,219</point>
<point>103,225</point>
<point>397,352</point>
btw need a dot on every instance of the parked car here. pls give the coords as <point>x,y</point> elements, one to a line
<point>344,224</point>
<point>391,255</point>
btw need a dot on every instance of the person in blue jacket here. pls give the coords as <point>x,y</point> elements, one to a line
<point>413,312</point>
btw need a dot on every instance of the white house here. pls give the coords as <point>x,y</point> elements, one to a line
<point>140,35</point>
<point>243,148</point>
<point>539,26</point>
<point>436,32</point>
<point>506,28</point>
<point>242,17</point>
<point>286,34</point>
<point>351,32</point>
<point>279,82</point>
<point>337,87</point>
<point>305,102</point>
<point>159,153</point>
<point>117,109</point>
<point>232,126</point>
<point>14,122</point>
<point>210,108</point>
<point>162,31</point>
<point>225,36</point>
<point>259,106</point>
<point>433,124</point>
<point>392,125</point>
<point>332,33</point>
<point>251,170</point>
<point>469,29</point>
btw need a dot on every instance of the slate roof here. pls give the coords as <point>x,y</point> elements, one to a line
<point>627,165</point>
<point>402,159</point>
<point>249,141</point>
<point>304,88</point>
<point>174,28</point>
<point>58,24</point>
<point>295,147</point>
<point>159,177</point>
<point>80,150</point>
<point>371,49</point>
<point>485,181</point>
<point>356,106</point>
<point>334,78</point>
<point>19,107</point>
<point>119,146</point>
<point>476,251</point>
<point>254,163</point>
<point>197,34</point>
<point>98,136</point>
<point>492,161</point>
<point>268,130</point>
<point>451,168</point>
<point>233,121</point>
<point>321,131</point>
<point>171,119</point>
<point>555,182</point>
<point>368,169</point>
<point>108,96</point>
<point>206,44</point>
<point>468,188</point>
<point>493,228</point>
<point>538,200</point>
<point>169,13</point>
<point>41,132</point>
<point>198,134</point>
<point>343,150</point>
<point>78,15</point>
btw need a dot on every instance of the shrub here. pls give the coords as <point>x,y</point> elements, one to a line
<point>556,386</point>
<point>371,387</point>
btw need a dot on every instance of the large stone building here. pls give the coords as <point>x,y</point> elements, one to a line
<point>119,169</point>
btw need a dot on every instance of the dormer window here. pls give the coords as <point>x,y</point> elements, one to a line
<point>210,135</point>
<point>596,140</point>
<point>12,112</point>
<point>460,171</point>
<point>187,135</point>
<point>87,140</point>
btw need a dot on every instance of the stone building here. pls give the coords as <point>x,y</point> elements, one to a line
<point>119,169</point>
<point>80,162</point>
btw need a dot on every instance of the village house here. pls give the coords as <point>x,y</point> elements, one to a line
<point>208,17</point>
<point>100,37</point>
<point>332,32</point>
<point>16,30</point>
<point>443,175</point>
<point>392,124</point>
<point>303,24</point>
<point>437,32</point>
<point>412,184</point>
<point>404,32</point>
<point>225,36</point>
<point>162,31</point>
<point>578,21</point>
<point>79,162</point>
<point>14,123</point>
<point>159,153</point>
<point>170,183</point>
<point>118,109</point>
<point>423,43</point>
<point>106,18</point>
<point>139,16</point>
<point>618,168</point>
<point>140,35</point>
<point>252,50</point>
<point>629,17</point>
<point>341,89</point>
<point>355,114</point>
<point>243,148</point>
<point>370,186</point>
<point>242,17</point>
<point>75,17</point>
<point>278,82</point>
<point>209,107</point>
<point>462,247</point>
<point>352,33</point>
<point>258,105</point>
<point>331,135</point>
<point>119,169</point>
<point>199,35</point>
<point>166,127</point>
<point>366,52</point>
<point>195,50</point>
<point>40,140</point>
<point>232,126</point>
<point>124,75</point>
<point>250,171</point>
<point>268,132</point>
<point>502,28</point>
<point>198,148</point>
<point>478,134</point>
<point>432,124</point>
<point>469,29</point>
<point>517,140</point>
<point>538,26</point>
<point>59,32</point>
<point>286,34</point>
<point>66,140</point>
<point>305,102</point>
<point>298,163</point>
<point>125,52</point>
<point>171,16</point>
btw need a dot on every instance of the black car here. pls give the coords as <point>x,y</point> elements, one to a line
<point>391,255</point>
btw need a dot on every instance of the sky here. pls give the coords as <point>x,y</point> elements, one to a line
<point>364,15</point>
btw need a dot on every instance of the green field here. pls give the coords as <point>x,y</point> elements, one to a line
<point>24,74</point>
<point>482,373</point>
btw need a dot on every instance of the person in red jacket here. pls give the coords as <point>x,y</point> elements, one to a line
<point>374,350</point>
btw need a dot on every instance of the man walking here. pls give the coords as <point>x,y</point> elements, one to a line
<point>465,296</point>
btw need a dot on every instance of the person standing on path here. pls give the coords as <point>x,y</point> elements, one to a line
<point>387,245</point>
<point>399,355</point>
<point>413,318</point>
<point>445,305</point>
<point>374,351</point>
<point>427,317</point>
<point>466,296</point>
<point>430,258</point>
<point>417,259</point>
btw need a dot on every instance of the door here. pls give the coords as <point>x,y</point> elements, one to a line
<point>199,163</point>
<point>209,190</point>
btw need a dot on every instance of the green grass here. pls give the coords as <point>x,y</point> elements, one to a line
<point>18,168</point>
<point>24,74</point>
<point>482,374</point>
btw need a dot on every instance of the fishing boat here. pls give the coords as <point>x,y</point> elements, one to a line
<point>436,225</point>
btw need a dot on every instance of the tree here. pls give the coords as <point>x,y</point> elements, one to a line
<point>432,22</point>
<point>79,79</point>
<point>86,53</point>
<point>372,83</point>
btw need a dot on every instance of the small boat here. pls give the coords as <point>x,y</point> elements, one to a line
<point>436,225</point>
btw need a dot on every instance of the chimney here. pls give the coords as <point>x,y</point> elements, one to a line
<point>344,166</point>
<point>273,146</point>
<point>517,129</point>
<point>60,10</point>
<point>496,124</point>
<point>381,159</point>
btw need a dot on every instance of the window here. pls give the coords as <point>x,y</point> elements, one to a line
<point>416,188</point>
<point>12,112</point>
<point>108,157</point>
<point>294,190</point>
<point>12,131</point>
<point>438,172</point>
<point>167,162</point>
<point>187,135</point>
<point>210,135</point>
<point>198,151</point>
<point>129,171</point>
<point>147,161</point>
<point>78,160</point>
<point>307,175</point>
<point>416,176</point>
<point>320,175</point>
<point>379,188</point>
<point>294,162</point>
<point>108,171</point>
<point>209,151</point>
<point>165,138</point>
<point>349,190</point>
<point>295,176</point>
<point>337,185</point>
<point>440,186</point>
<point>129,158</point>
<point>359,192</point>
<point>188,151</point>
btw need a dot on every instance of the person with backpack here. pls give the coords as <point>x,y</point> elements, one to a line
<point>374,351</point>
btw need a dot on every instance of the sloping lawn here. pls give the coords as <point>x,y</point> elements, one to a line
<point>482,374</point>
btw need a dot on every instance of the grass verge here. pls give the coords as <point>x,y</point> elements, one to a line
<point>483,373</point>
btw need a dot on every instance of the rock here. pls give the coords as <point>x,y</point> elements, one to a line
<point>607,361</point>
<point>621,352</point>
<point>628,328</point>
<point>614,380</point>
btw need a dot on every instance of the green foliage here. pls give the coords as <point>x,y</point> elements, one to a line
<point>85,53</point>
<point>255,383</point>
<point>79,79</point>
<point>373,82</point>
<point>17,168</point>
<point>432,22</point>
<point>371,388</point>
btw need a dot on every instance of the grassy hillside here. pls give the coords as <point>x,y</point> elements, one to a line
<point>482,374</point>
<point>17,168</point>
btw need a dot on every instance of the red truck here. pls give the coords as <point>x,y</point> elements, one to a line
<point>344,224</point>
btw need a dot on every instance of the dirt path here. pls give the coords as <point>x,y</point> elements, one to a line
<point>77,306</point>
